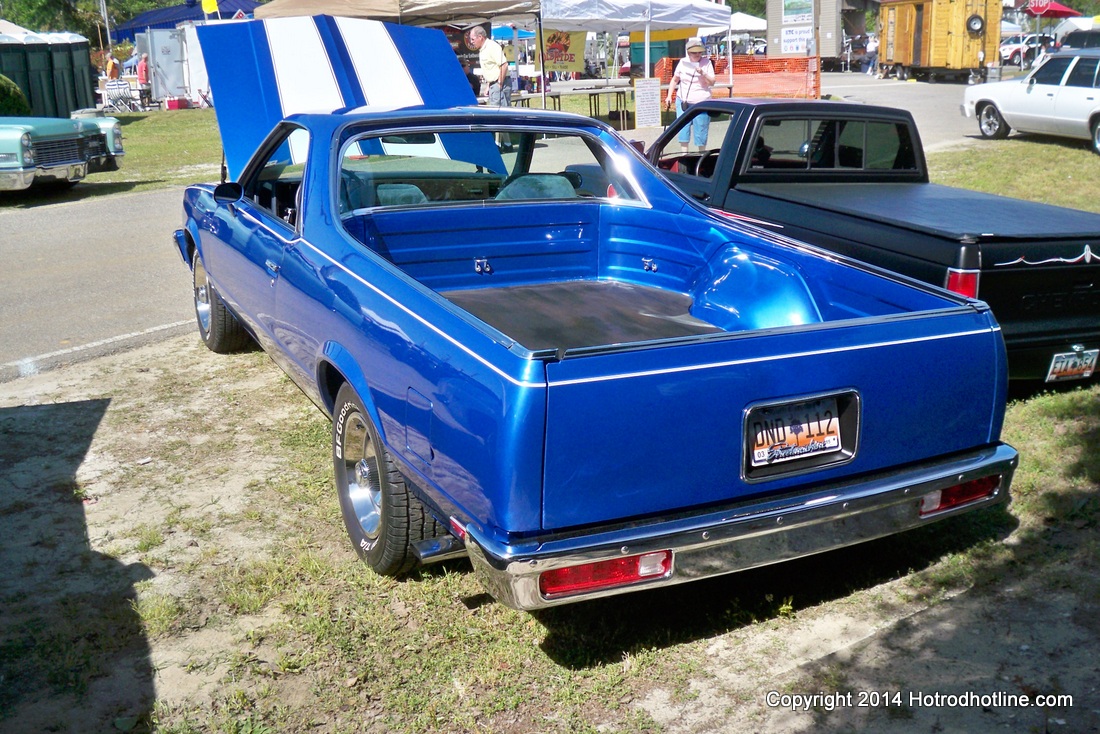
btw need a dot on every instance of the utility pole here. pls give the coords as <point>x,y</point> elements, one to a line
<point>106,22</point>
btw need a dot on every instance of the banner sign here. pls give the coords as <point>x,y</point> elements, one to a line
<point>564,50</point>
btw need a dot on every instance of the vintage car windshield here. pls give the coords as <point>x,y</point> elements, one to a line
<point>433,168</point>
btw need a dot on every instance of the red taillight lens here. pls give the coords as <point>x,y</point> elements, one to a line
<point>963,282</point>
<point>960,494</point>
<point>605,574</point>
<point>611,192</point>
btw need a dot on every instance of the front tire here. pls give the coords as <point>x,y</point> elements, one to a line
<point>219,329</point>
<point>990,123</point>
<point>383,519</point>
<point>1096,136</point>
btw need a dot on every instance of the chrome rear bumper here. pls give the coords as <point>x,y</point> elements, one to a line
<point>744,536</point>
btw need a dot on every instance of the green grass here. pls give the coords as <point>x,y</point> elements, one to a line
<point>1035,168</point>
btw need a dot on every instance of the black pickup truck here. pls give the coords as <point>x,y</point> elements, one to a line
<point>852,179</point>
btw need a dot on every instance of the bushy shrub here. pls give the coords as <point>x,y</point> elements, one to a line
<point>12,101</point>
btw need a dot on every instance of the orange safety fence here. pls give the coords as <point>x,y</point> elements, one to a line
<point>758,76</point>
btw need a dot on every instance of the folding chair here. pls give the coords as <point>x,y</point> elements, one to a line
<point>117,96</point>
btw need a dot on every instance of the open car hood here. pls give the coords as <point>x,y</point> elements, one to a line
<point>263,70</point>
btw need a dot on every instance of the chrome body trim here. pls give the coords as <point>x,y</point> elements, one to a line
<point>743,536</point>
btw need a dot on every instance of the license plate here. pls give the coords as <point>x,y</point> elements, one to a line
<point>794,431</point>
<point>1072,365</point>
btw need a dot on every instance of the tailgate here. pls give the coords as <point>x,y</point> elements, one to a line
<point>662,430</point>
<point>1038,287</point>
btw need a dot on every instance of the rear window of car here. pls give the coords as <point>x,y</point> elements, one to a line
<point>1083,73</point>
<point>456,166</point>
<point>1081,39</point>
<point>831,144</point>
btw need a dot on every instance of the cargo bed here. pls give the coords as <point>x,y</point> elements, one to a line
<point>582,313</point>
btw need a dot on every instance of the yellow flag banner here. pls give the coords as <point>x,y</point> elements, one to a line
<point>564,50</point>
<point>209,6</point>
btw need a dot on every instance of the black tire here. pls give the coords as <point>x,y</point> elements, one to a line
<point>990,123</point>
<point>218,327</point>
<point>1096,136</point>
<point>382,517</point>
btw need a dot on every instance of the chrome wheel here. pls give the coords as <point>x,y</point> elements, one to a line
<point>990,122</point>
<point>202,297</point>
<point>364,488</point>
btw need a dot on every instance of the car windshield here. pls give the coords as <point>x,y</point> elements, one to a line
<point>445,167</point>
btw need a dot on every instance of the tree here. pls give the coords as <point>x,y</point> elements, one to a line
<point>758,8</point>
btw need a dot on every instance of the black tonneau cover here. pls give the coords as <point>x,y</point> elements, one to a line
<point>951,213</point>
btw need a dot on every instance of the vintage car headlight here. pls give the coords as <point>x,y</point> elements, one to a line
<point>116,137</point>
<point>28,149</point>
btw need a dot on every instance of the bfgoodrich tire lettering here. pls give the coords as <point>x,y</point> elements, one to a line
<point>219,329</point>
<point>382,517</point>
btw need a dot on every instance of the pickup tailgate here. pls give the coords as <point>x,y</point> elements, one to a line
<point>660,430</point>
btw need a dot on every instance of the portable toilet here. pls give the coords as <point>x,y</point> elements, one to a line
<point>13,61</point>
<point>39,89</point>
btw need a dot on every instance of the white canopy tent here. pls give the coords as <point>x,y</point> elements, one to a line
<point>613,16</point>
<point>739,23</point>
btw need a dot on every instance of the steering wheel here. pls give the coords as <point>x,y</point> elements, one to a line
<point>702,159</point>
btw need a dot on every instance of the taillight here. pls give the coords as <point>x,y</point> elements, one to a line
<point>963,282</point>
<point>611,192</point>
<point>605,574</point>
<point>960,494</point>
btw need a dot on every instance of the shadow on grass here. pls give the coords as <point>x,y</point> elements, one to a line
<point>73,652</point>
<point>88,188</point>
<point>600,632</point>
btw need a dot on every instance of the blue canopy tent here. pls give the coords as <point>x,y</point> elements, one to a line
<point>504,33</point>
<point>173,16</point>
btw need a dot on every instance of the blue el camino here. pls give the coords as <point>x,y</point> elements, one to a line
<point>536,353</point>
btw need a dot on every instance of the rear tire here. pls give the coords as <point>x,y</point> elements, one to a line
<point>1096,136</point>
<point>990,123</point>
<point>218,327</point>
<point>383,519</point>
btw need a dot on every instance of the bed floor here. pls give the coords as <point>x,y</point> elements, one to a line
<point>582,313</point>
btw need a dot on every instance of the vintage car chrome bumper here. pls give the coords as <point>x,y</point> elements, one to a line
<point>744,536</point>
<point>15,180</point>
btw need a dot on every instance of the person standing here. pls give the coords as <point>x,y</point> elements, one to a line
<point>494,67</point>
<point>494,70</point>
<point>144,90</point>
<point>114,69</point>
<point>692,80</point>
<point>871,59</point>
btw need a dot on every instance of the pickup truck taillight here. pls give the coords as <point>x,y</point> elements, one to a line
<point>959,494</point>
<point>963,282</point>
<point>605,574</point>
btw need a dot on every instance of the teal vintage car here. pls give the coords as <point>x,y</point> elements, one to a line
<point>37,150</point>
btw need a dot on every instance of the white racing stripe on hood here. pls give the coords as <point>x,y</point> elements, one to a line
<point>303,72</point>
<point>396,85</point>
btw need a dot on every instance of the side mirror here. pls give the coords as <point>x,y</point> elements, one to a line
<point>228,193</point>
<point>804,150</point>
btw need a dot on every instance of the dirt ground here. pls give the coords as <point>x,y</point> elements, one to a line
<point>98,457</point>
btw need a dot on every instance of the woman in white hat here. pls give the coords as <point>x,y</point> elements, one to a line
<point>692,80</point>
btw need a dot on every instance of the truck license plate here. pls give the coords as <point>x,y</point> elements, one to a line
<point>794,431</point>
<point>1072,365</point>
